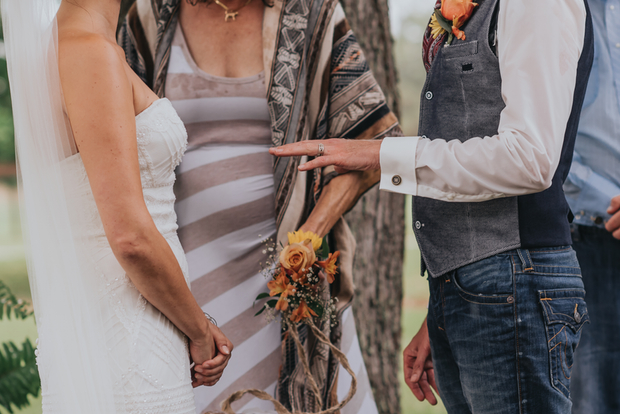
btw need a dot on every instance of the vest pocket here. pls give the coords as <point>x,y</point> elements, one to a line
<point>460,50</point>
<point>564,313</point>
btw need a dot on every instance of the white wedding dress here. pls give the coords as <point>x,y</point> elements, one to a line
<point>147,355</point>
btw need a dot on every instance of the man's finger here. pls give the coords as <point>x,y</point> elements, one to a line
<point>417,369</point>
<point>614,206</point>
<point>310,148</point>
<point>431,379</point>
<point>318,162</point>
<point>614,223</point>
<point>415,390</point>
<point>426,389</point>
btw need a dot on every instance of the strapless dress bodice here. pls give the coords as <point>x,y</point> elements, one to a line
<point>162,140</point>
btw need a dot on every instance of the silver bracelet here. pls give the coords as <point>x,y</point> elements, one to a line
<point>210,318</point>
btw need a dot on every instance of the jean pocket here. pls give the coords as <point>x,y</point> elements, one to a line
<point>486,282</point>
<point>565,313</point>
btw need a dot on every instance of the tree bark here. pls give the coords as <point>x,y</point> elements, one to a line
<point>378,223</point>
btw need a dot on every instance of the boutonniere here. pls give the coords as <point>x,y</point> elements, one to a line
<point>450,17</point>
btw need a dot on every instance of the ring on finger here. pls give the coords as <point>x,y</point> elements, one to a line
<point>321,150</point>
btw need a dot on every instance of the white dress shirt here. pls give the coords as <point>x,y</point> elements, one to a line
<point>539,46</point>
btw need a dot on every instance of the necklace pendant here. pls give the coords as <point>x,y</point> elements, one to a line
<point>232,15</point>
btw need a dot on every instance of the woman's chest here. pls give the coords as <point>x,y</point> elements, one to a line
<point>232,48</point>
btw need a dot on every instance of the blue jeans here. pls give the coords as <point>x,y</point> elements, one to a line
<point>503,332</point>
<point>595,386</point>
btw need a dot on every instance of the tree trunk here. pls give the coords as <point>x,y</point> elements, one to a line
<point>378,223</point>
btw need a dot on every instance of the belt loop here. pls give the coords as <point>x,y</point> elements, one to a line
<point>526,260</point>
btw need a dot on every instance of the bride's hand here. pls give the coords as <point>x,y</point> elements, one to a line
<point>209,372</point>
<point>200,350</point>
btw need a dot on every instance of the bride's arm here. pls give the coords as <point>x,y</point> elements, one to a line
<point>100,104</point>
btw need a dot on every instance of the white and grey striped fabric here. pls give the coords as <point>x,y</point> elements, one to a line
<point>225,207</point>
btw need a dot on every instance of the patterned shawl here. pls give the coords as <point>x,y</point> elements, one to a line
<point>319,85</point>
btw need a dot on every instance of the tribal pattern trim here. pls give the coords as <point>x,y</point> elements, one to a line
<point>287,66</point>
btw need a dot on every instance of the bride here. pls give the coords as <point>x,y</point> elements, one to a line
<point>96,155</point>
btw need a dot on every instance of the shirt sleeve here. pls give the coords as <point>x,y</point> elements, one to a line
<point>590,191</point>
<point>539,46</point>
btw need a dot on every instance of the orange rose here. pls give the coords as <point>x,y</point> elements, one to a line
<point>298,257</point>
<point>459,11</point>
<point>330,266</point>
<point>302,312</point>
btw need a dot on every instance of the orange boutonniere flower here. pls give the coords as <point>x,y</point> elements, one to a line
<point>451,17</point>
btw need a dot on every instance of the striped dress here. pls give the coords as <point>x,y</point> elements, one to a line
<point>225,207</point>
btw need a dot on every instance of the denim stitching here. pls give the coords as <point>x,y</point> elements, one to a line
<point>483,303</point>
<point>555,346</point>
<point>519,388</point>
<point>554,358</point>
<point>564,362</point>
<point>559,332</point>
<point>461,290</point>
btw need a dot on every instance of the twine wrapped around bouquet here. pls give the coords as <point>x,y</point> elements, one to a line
<point>295,282</point>
<point>280,409</point>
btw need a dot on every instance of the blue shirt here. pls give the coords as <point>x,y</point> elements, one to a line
<point>594,177</point>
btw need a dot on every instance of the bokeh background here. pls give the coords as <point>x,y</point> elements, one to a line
<point>408,21</point>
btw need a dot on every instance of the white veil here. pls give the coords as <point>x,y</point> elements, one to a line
<point>73,362</point>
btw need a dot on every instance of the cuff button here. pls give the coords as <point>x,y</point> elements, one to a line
<point>396,180</point>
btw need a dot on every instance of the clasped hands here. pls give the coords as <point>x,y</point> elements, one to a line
<point>210,355</point>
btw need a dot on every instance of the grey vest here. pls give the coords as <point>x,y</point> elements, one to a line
<point>462,99</point>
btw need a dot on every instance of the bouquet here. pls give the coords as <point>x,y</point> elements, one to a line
<point>298,275</point>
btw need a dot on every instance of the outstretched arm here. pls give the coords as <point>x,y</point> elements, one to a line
<point>100,106</point>
<point>538,83</point>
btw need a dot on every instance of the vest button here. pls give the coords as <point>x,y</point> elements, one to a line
<point>418,225</point>
<point>396,180</point>
<point>450,196</point>
<point>429,95</point>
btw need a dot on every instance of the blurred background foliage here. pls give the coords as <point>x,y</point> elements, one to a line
<point>408,19</point>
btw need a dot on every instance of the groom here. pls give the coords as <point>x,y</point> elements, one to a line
<point>498,120</point>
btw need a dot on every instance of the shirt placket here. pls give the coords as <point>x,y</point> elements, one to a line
<point>612,25</point>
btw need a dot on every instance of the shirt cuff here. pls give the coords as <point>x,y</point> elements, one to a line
<point>397,159</point>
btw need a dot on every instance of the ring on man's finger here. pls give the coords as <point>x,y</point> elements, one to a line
<point>321,150</point>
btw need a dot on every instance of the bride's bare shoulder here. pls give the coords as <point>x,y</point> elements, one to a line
<point>91,65</point>
<point>83,54</point>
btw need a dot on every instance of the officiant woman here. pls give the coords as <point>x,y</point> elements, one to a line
<point>245,75</point>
